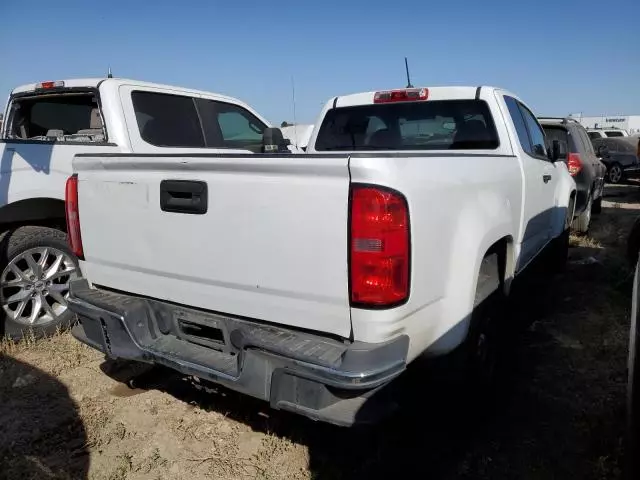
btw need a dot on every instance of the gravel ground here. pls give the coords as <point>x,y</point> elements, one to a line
<point>559,411</point>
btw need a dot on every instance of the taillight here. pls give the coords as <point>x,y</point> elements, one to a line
<point>574,163</point>
<point>73,216</point>
<point>379,270</point>
<point>405,95</point>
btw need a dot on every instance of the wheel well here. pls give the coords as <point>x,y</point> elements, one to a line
<point>503,267</point>
<point>572,204</point>
<point>47,212</point>
<point>504,249</point>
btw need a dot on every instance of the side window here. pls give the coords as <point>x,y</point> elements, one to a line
<point>230,126</point>
<point>519,123</point>
<point>535,133</point>
<point>578,140</point>
<point>586,141</point>
<point>166,120</point>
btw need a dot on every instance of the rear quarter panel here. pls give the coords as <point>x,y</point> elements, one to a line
<point>459,205</point>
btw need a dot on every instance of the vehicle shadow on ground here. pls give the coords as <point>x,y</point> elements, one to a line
<point>41,432</point>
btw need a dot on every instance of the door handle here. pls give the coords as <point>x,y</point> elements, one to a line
<point>546,177</point>
<point>183,196</point>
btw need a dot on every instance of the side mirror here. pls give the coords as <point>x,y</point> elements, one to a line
<point>273,141</point>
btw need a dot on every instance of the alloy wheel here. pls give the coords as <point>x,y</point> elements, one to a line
<point>34,286</point>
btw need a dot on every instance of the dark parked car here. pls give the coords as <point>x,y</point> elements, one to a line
<point>585,167</point>
<point>620,155</point>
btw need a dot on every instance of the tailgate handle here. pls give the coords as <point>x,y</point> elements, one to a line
<point>183,196</point>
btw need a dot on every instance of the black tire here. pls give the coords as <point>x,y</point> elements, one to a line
<point>16,242</point>
<point>558,253</point>
<point>596,208</point>
<point>478,358</point>
<point>615,174</point>
<point>633,243</point>
<point>582,222</point>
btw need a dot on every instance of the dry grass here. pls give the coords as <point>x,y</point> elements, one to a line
<point>585,241</point>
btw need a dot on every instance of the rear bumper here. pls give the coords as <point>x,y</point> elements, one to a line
<point>321,378</point>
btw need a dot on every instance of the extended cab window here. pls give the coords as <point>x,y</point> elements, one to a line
<point>425,125</point>
<point>230,126</point>
<point>66,116</point>
<point>528,129</point>
<point>166,120</point>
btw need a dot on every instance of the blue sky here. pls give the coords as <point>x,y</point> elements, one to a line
<point>552,54</point>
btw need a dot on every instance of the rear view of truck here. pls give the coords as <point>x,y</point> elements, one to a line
<point>309,281</point>
<point>240,276</point>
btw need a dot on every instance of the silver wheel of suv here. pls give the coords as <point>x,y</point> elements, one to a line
<point>615,174</point>
<point>34,286</point>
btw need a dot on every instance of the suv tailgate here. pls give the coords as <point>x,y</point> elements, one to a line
<point>272,244</point>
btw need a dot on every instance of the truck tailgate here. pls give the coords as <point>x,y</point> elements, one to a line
<point>272,244</point>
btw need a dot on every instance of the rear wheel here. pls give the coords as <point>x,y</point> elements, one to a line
<point>581,222</point>
<point>36,268</point>
<point>478,356</point>
<point>615,173</point>
<point>596,208</point>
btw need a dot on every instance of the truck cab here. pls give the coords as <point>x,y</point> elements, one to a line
<point>46,125</point>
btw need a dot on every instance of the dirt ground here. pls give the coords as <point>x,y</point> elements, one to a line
<point>559,412</point>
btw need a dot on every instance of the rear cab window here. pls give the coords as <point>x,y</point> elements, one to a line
<point>169,120</point>
<point>614,134</point>
<point>420,125</point>
<point>64,115</point>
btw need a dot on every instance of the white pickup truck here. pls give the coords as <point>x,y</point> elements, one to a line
<point>312,280</point>
<point>46,125</point>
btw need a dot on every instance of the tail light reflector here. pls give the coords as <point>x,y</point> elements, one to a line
<point>73,216</point>
<point>574,163</point>
<point>380,251</point>
<point>405,95</point>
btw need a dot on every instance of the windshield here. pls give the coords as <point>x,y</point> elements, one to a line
<point>430,125</point>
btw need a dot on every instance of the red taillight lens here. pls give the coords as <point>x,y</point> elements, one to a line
<point>379,270</point>
<point>73,216</point>
<point>574,163</point>
<point>406,95</point>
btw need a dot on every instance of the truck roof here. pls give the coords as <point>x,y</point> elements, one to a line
<point>95,82</point>
<point>435,93</point>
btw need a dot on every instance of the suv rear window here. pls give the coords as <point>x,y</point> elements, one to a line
<point>561,135</point>
<point>72,116</point>
<point>429,125</point>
